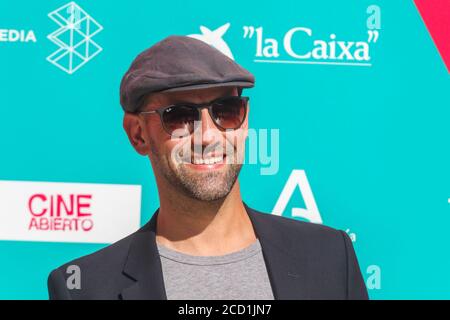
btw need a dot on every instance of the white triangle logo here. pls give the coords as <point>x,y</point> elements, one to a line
<point>311,212</point>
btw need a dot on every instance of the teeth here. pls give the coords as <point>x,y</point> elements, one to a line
<point>207,160</point>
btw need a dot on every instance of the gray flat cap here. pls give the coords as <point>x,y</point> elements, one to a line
<point>179,63</point>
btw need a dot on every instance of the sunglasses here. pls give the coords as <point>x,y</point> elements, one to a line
<point>227,113</point>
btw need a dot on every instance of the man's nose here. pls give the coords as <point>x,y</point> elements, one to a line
<point>210,133</point>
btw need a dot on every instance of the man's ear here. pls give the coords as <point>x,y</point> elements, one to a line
<point>133,128</point>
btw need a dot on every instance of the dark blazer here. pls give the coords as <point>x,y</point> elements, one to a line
<point>304,261</point>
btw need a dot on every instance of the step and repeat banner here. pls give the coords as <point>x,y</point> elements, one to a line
<point>350,117</point>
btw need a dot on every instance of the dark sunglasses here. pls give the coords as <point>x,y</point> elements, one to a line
<point>227,113</point>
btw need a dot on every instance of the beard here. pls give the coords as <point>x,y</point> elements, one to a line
<point>205,186</point>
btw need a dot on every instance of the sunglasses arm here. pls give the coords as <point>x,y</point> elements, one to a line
<point>147,112</point>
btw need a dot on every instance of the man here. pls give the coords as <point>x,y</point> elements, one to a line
<point>183,107</point>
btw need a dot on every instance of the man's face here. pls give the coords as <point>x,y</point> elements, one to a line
<point>203,165</point>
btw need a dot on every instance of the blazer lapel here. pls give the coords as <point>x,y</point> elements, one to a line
<point>143,264</point>
<point>286,262</point>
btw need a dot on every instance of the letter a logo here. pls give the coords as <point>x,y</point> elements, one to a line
<point>311,212</point>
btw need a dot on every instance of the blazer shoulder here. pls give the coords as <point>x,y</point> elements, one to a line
<point>101,263</point>
<point>295,227</point>
<point>99,273</point>
<point>326,252</point>
<point>317,240</point>
<point>107,256</point>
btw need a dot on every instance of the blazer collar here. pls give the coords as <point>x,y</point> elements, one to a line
<point>286,267</point>
<point>143,264</point>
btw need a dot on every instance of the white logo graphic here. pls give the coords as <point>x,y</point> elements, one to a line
<point>74,37</point>
<point>214,38</point>
<point>311,213</point>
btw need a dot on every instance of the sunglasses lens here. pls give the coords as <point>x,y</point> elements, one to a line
<point>181,119</point>
<point>229,113</point>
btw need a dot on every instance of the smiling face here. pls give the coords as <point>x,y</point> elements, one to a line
<point>203,165</point>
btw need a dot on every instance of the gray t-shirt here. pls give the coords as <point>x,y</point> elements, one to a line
<point>240,275</point>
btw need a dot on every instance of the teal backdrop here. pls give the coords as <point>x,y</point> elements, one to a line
<point>373,140</point>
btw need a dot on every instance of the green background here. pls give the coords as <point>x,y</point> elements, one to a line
<point>373,141</point>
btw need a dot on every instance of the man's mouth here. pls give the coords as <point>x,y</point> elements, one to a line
<point>207,160</point>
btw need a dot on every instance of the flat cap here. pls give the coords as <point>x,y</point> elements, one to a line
<point>179,63</point>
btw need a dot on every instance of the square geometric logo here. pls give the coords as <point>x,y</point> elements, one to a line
<point>74,37</point>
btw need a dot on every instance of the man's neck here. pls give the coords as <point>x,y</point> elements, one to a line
<point>204,228</point>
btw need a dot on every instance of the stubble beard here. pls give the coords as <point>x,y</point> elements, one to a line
<point>204,186</point>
